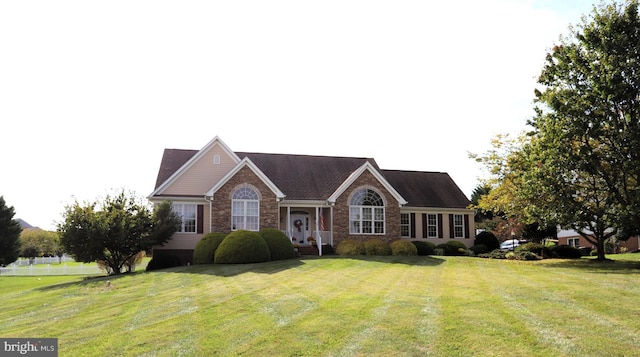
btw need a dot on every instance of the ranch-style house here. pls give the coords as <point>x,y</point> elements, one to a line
<point>313,199</point>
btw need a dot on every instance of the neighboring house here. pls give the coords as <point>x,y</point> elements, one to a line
<point>328,198</point>
<point>572,238</point>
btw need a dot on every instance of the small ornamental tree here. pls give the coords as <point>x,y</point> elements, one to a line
<point>9,234</point>
<point>115,230</point>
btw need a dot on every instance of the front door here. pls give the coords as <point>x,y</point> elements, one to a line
<point>300,227</point>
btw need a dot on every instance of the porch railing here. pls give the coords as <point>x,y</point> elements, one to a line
<point>321,237</point>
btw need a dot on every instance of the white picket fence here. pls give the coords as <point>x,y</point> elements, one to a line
<point>21,262</point>
<point>58,269</point>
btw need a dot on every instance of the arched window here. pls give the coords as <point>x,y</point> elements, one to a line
<point>366,213</point>
<point>245,209</point>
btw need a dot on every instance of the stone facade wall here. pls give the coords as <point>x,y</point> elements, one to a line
<point>341,212</point>
<point>221,205</point>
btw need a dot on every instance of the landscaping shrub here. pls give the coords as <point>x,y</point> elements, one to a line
<point>494,254</point>
<point>458,248</point>
<point>206,247</point>
<point>479,249</point>
<point>403,247</point>
<point>376,247</point>
<point>445,248</point>
<point>279,244</point>
<point>526,255</point>
<point>488,239</point>
<point>163,261</point>
<point>537,248</point>
<point>565,252</point>
<point>242,247</point>
<point>424,247</point>
<point>350,247</point>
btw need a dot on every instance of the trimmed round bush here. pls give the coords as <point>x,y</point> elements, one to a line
<point>487,239</point>
<point>479,249</point>
<point>163,262</point>
<point>424,247</point>
<point>458,247</point>
<point>279,244</point>
<point>565,252</point>
<point>242,247</point>
<point>206,247</point>
<point>403,247</point>
<point>350,247</point>
<point>446,249</point>
<point>376,247</point>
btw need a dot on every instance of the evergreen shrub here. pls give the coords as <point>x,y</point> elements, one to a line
<point>488,239</point>
<point>403,247</point>
<point>458,248</point>
<point>424,247</point>
<point>350,247</point>
<point>206,247</point>
<point>241,247</point>
<point>279,244</point>
<point>376,247</point>
<point>565,252</point>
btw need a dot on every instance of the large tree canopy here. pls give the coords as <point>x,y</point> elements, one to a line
<point>116,230</point>
<point>582,166</point>
<point>9,234</point>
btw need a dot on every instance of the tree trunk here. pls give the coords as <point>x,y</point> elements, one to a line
<point>600,248</point>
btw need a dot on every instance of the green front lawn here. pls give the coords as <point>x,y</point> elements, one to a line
<point>336,306</point>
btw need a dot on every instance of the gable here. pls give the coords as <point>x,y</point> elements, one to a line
<point>241,169</point>
<point>367,168</point>
<point>192,173</point>
<point>305,177</point>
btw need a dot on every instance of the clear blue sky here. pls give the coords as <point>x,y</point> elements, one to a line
<point>92,92</point>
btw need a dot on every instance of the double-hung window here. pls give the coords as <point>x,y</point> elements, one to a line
<point>188,213</point>
<point>405,225</point>
<point>366,213</point>
<point>432,225</point>
<point>458,226</point>
<point>245,210</point>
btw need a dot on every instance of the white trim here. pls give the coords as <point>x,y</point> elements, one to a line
<point>356,174</point>
<point>246,163</point>
<point>192,161</point>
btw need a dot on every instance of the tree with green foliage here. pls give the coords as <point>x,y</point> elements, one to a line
<point>9,234</point>
<point>115,230</point>
<point>46,242</point>
<point>582,164</point>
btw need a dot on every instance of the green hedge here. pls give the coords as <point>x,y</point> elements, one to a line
<point>206,247</point>
<point>242,247</point>
<point>279,244</point>
<point>424,247</point>
<point>376,247</point>
<point>403,247</point>
<point>487,239</point>
<point>350,247</point>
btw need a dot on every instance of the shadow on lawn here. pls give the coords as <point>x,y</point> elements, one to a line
<point>273,267</point>
<point>229,270</point>
<point>599,267</point>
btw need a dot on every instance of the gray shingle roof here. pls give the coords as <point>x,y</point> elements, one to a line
<point>427,189</point>
<point>306,177</point>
